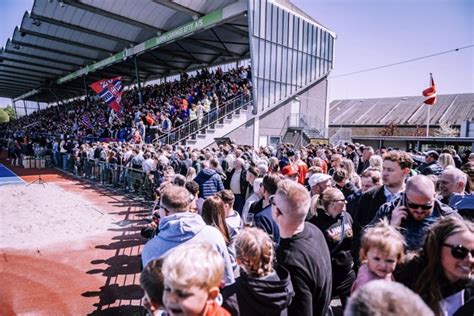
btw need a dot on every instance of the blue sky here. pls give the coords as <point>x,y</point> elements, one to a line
<point>373,33</point>
<point>379,32</point>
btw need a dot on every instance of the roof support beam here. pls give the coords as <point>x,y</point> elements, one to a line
<point>14,52</point>
<point>75,90</point>
<point>19,79</point>
<point>218,38</point>
<point>9,88</point>
<point>178,7</point>
<point>32,64</point>
<point>27,74</point>
<point>28,69</point>
<point>224,41</point>
<point>5,81</point>
<point>17,83</point>
<point>185,56</point>
<point>20,75</point>
<point>159,61</point>
<point>81,29</point>
<point>131,68</point>
<point>211,47</point>
<point>65,41</point>
<point>111,15</point>
<point>57,51</point>
<point>175,6</point>
<point>235,29</point>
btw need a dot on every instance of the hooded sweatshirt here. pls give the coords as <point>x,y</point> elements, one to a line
<point>267,296</point>
<point>210,182</point>
<point>179,228</point>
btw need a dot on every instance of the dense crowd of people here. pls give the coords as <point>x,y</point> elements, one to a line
<point>164,107</point>
<point>241,230</point>
<point>250,231</point>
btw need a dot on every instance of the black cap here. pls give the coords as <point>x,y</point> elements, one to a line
<point>433,153</point>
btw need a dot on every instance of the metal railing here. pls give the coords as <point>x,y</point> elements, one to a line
<point>125,178</point>
<point>30,135</point>
<point>342,135</point>
<point>209,119</point>
<point>312,126</point>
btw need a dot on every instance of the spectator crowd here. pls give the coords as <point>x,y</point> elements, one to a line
<point>241,230</point>
<point>323,222</point>
<point>253,231</point>
<point>164,107</point>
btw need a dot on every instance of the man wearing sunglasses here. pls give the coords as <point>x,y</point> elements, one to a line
<point>414,211</point>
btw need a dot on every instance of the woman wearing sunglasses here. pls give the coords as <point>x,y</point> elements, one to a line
<point>442,272</point>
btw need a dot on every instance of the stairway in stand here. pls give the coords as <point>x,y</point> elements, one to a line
<point>228,125</point>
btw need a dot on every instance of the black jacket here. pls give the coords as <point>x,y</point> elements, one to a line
<point>407,273</point>
<point>341,258</point>
<point>243,181</point>
<point>432,168</point>
<point>306,256</point>
<point>369,204</point>
<point>268,296</point>
<point>355,159</point>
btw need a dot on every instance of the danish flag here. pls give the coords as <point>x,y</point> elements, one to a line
<point>430,93</point>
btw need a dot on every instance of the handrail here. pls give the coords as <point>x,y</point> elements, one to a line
<point>285,127</point>
<point>200,124</point>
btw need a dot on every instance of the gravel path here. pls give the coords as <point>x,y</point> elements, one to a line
<point>35,216</point>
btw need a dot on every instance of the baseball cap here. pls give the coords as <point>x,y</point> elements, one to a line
<point>318,178</point>
<point>432,153</point>
<point>289,170</point>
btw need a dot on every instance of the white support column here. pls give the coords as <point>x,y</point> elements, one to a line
<point>256,131</point>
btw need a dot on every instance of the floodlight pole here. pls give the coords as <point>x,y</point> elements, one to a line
<point>140,97</point>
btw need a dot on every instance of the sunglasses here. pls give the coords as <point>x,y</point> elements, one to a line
<point>416,206</point>
<point>459,251</point>
<point>272,202</point>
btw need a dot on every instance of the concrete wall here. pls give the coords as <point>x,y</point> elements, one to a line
<point>244,134</point>
<point>313,103</point>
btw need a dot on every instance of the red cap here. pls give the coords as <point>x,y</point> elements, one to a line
<point>289,170</point>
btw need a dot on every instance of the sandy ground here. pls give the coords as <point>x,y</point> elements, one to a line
<point>34,216</point>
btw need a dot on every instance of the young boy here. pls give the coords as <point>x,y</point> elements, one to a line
<point>151,281</point>
<point>192,275</point>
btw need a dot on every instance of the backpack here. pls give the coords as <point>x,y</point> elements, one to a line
<point>464,204</point>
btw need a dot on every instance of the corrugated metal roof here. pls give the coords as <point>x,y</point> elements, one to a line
<point>59,37</point>
<point>450,108</point>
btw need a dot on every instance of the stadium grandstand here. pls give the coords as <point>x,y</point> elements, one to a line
<point>180,157</point>
<point>61,47</point>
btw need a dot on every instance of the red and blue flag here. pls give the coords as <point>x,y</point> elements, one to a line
<point>110,91</point>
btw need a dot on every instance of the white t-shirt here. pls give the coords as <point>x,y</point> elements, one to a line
<point>235,182</point>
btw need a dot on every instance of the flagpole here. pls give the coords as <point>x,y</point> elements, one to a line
<point>428,121</point>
